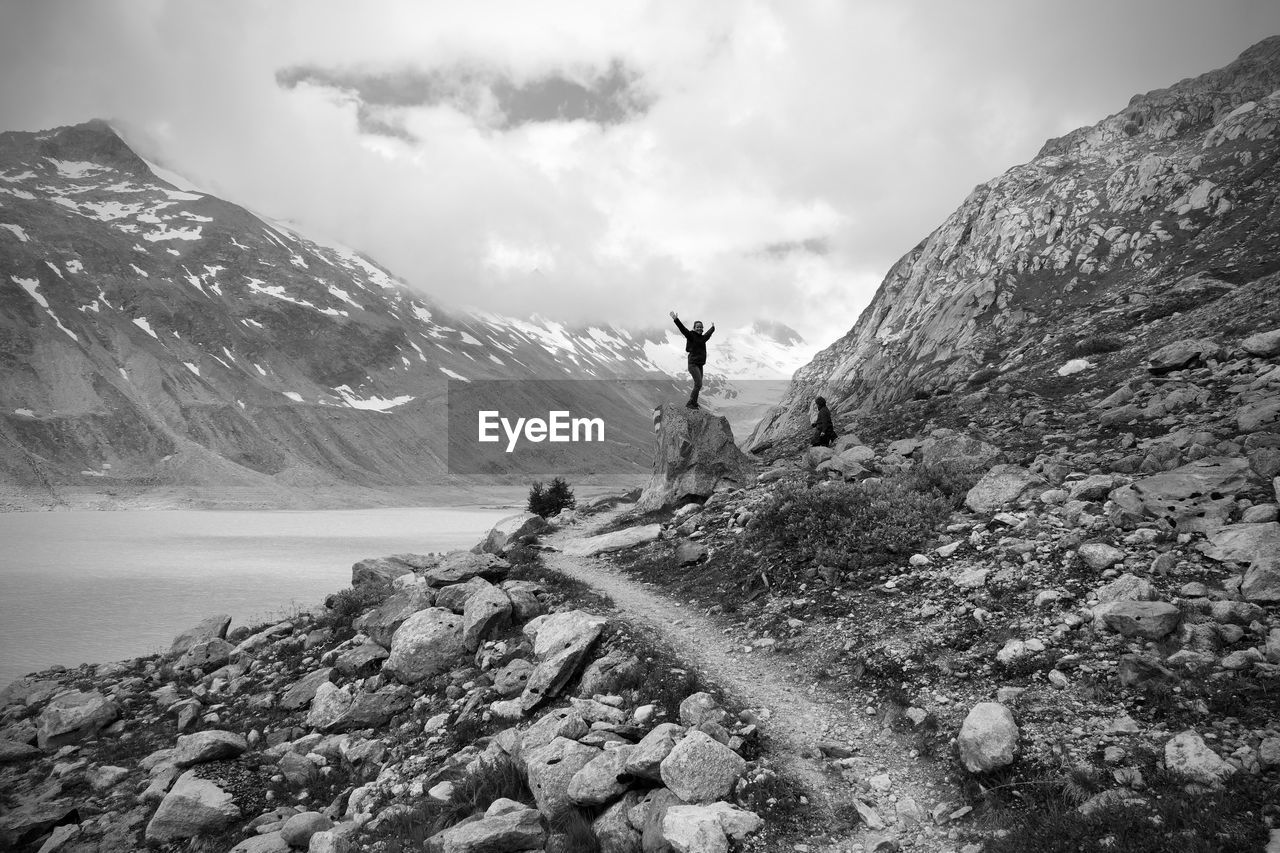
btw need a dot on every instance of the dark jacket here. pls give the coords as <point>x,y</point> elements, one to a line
<point>695,344</point>
<point>824,429</point>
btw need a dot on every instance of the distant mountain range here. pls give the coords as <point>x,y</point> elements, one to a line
<point>153,336</point>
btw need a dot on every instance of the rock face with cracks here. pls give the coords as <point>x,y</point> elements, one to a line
<point>695,456</point>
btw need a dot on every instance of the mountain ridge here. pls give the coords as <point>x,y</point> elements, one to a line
<point>1104,220</point>
<point>160,337</point>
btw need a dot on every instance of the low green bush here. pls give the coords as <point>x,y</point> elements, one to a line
<point>346,605</point>
<point>1097,345</point>
<point>857,527</point>
<point>950,480</point>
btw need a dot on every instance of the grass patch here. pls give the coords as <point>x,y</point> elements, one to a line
<point>576,834</point>
<point>950,480</point>
<point>857,528</point>
<point>1045,817</point>
<point>495,778</point>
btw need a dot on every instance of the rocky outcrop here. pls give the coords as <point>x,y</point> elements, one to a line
<point>1107,223</point>
<point>695,456</point>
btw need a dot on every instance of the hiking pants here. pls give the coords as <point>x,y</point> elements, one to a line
<point>695,370</point>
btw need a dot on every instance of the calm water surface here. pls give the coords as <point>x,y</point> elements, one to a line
<point>104,586</point>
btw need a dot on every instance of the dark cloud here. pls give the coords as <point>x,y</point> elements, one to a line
<point>813,246</point>
<point>605,97</point>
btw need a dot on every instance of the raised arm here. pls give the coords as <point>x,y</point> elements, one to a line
<point>679,325</point>
<point>707,335</point>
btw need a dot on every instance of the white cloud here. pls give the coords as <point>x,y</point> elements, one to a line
<point>769,123</point>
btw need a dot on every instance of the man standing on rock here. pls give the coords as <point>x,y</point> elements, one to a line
<point>695,344</point>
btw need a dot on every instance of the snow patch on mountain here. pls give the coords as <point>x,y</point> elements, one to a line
<point>375,404</point>
<point>32,287</point>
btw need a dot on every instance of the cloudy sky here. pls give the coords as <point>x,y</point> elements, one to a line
<point>608,160</point>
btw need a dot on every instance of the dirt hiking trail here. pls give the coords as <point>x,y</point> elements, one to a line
<point>800,713</point>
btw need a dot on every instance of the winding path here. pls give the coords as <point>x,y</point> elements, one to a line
<point>802,714</point>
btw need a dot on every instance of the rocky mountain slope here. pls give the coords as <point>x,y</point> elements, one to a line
<point>155,335</point>
<point>1107,233</point>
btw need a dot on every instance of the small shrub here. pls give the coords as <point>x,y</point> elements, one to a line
<point>951,480</point>
<point>854,527</point>
<point>494,779</point>
<point>346,605</point>
<point>549,500</point>
<point>1097,345</point>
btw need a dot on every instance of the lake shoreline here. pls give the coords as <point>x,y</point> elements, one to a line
<point>128,497</point>
<point>100,586</point>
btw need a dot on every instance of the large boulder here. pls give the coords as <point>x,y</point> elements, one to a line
<point>381,622</point>
<point>603,778</point>
<point>208,745</point>
<point>428,643</point>
<point>560,645</point>
<point>988,737</point>
<point>378,571</point>
<point>505,825</point>
<point>1187,753</point>
<point>28,690</point>
<point>1261,582</point>
<point>958,449</point>
<point>30,819</point>
<point>339,709</point>
<point>486,610</point>
<point>707,829</point>
<point>459,566</point>
<point>210,628</point>
<point>511,530</point>
<point>1194,498</point>
<point>454,596</point>
<point>701,770</point>
<point>645,761</point>
<point>1150,620</point>
<point>207,655</point>
<point>551,768</point>
<point>192,807</point>
<point>74,716</point>
<point>1180,354</point>
<point>613,828</point>
<point>1262,344</point>
<point>361,660</point>
<point>304,689</point>
<point>297,830</point>
<point>616,540</point>
<point>606,674</point>
<point>695,455</point>
<point>1003,484</point>
<point>1258,415</point>
<point>1243,543</point>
